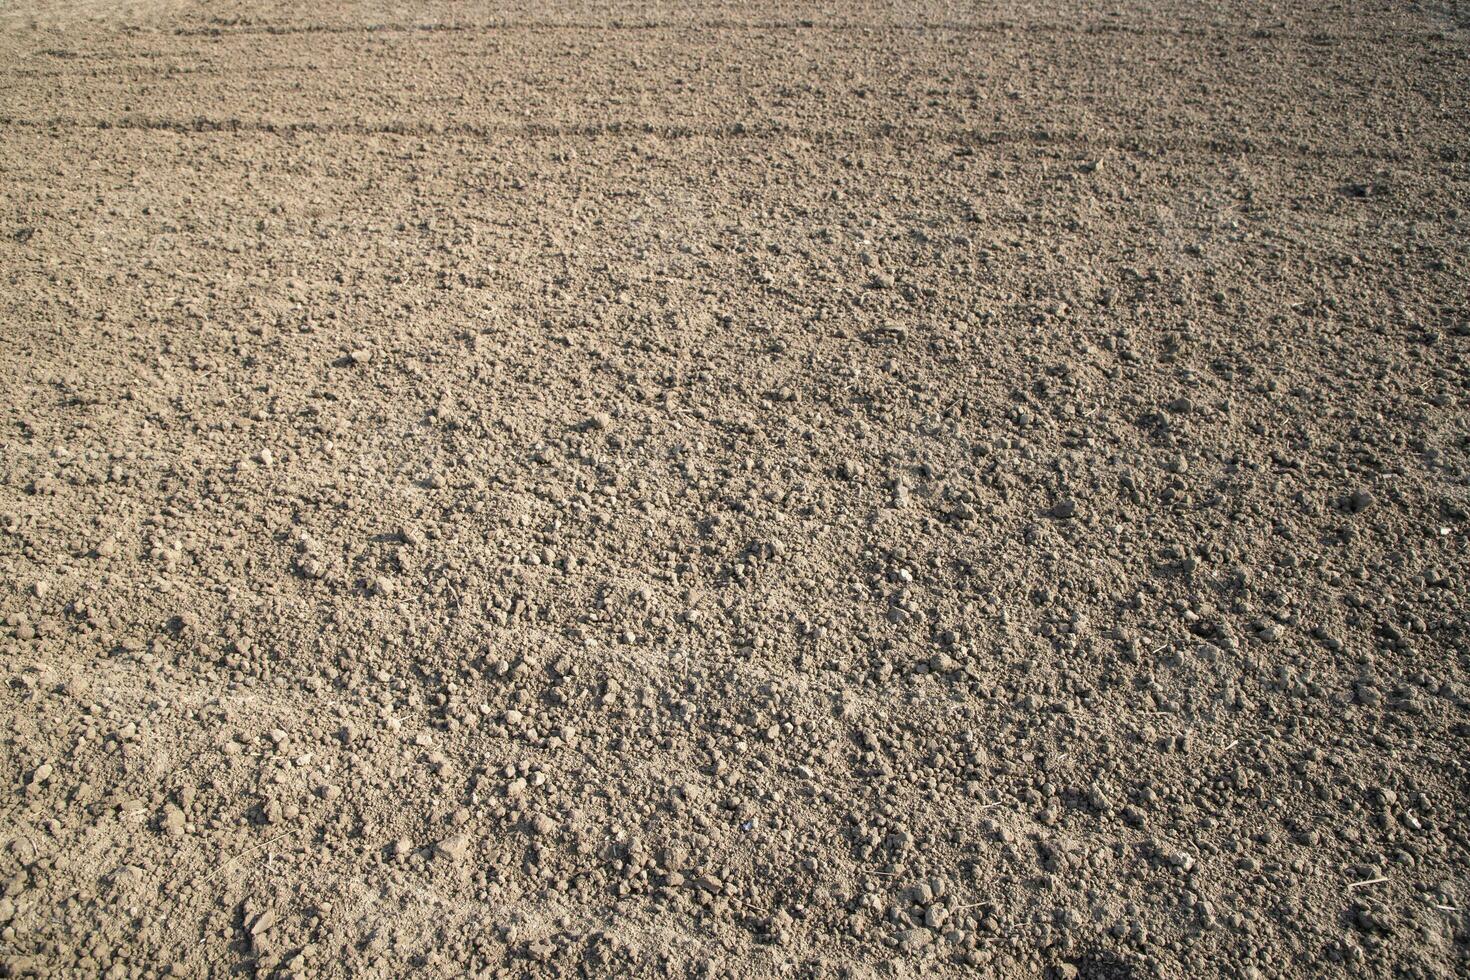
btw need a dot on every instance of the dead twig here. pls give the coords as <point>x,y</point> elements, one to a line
<point>249,851</point>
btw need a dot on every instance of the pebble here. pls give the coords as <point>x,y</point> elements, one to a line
<point>453,848</point>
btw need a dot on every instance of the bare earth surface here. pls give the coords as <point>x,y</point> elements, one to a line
<point>734,490</point>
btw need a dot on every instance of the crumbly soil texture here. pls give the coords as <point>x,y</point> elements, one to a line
<point>846,490</point>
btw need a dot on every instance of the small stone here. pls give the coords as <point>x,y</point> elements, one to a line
<point>1359,501</point>
<point>453,848</point>
<point>1064,509</point>
<point>263,922</point>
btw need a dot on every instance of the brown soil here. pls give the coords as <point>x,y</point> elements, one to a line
<point>735,490</point>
